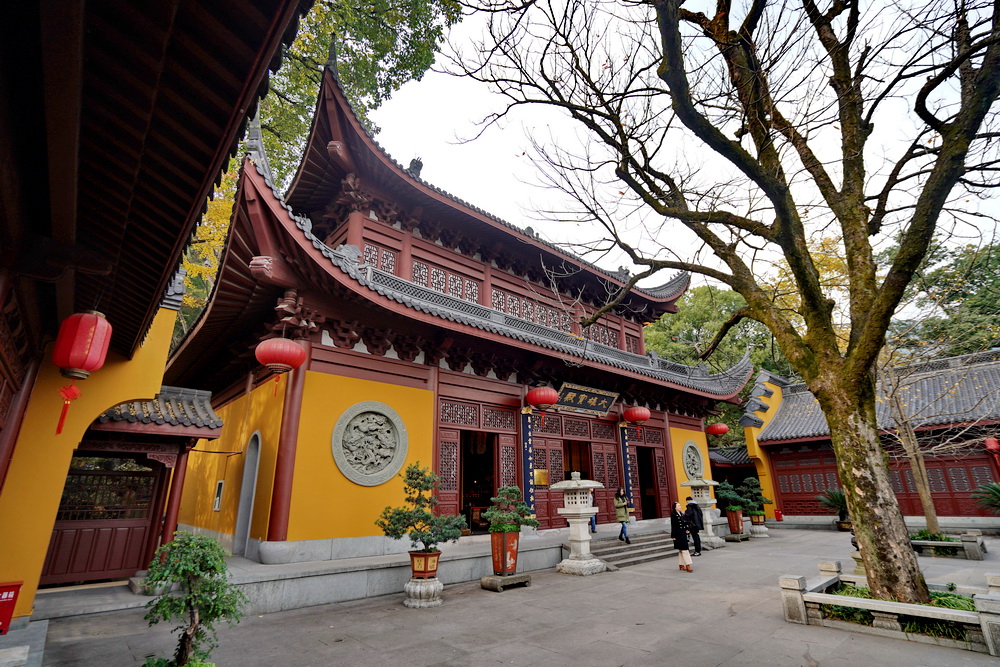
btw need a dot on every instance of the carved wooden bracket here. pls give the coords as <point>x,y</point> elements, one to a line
<point>295,318</point>
<point>345,334</point>
<point>407,347</point>
<point>378,341</point>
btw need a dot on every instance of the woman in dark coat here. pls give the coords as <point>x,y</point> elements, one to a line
<point>680,530</point>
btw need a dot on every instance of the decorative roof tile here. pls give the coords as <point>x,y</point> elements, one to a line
<point>175,406</point>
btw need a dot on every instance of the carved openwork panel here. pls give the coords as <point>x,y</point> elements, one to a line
<point>388,261</point>
<point>471,291</point>
<point>613,481</point>
<point>632,344</point>
<point>369,443</point>
<point>449,467</point>
<point>654,436</point>
<point>603,431</point>
<point>553,424</point>
<point>500,420</point>
<point>577,428</point>
<point>421,273</point>
<point>438,279</point>
<point>633,434</point>
<point>455,285</point>
<point>600,469</point>
<point>661,470</point>
<point>556,473</point>
<point>508,465</point>
<point>462,414</point>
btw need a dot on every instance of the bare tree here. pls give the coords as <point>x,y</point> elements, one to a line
<point>753,127</point>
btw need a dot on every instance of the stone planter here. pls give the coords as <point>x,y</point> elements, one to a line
<point>803,602</point>
<point>844,526</point>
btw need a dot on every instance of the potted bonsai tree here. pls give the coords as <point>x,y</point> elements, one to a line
<point>729,499</point>
<point>417,520</point>
<point>834,499</point>
<point>506,516</point>
<point>754,498</point>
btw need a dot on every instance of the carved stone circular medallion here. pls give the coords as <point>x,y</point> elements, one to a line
<point>369,443</point>
<point>694,465</point>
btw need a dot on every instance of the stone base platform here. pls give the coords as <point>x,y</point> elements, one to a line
<point>737,537</point>
<point>496,582</point>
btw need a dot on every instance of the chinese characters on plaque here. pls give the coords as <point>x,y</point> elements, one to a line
<point>574,398</point>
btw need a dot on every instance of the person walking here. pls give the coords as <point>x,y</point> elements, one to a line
<point>621,514</point>
<point>593,517</point>
<point>680,530</point>
<point>696,522</point>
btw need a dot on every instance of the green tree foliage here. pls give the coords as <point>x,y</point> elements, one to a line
<point>197,564</point>
<point>688,337</point>
<point>381,44</point>
<point>961,289</point>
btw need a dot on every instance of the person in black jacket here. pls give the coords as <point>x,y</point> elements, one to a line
<point>696,522</point>
<point>679,530</point>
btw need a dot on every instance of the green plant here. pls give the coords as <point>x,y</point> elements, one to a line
<point>924,534</point>
<point>836,500</point>
<point>728,497</point>
<point>509,511</point>
<point>988,496</point>
<point>197,564</point>
<point>910,624</point>
<point>753,495</point>
<point>416,519</point>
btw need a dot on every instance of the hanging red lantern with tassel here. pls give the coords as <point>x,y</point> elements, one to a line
<point>81,348</point>
<point>637,415</point>
<point>280,355</point>
<point>542,398</point>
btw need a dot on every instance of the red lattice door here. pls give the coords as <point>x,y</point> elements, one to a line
<point>447,470</point>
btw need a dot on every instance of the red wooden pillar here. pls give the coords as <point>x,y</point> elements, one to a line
<point>174,501</point>
<point>284,466</point>
<point>404,268</point>
<point>355,230</point>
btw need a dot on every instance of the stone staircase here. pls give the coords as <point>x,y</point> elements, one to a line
<point>645,547</point>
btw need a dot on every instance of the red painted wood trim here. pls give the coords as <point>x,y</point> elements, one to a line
<point>159,509</point>
<point>284,467</point>
<point>356,230</point>
<point>174,501</point>
<point>15,415</point>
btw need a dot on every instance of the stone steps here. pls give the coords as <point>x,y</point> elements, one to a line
<point>645,547</point>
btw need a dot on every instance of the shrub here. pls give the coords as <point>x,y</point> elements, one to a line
<point>988,496</point>
<point>197,564</point>
<point>836,500</point>
<point>509,511</point>
<point>416,519</point>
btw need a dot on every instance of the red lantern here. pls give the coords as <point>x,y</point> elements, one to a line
<point>280,355</point>
<point>992,445</point>
<point>80,349</point>
<point>542,398</point>
<point>82,344</point>
<point>637,415</point>
<point>717,428</point>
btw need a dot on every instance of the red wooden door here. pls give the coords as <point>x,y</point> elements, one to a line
<point>549,457</point>
<point>104,527</point>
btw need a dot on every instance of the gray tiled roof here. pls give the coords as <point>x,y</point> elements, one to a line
<point>175,406</point>
<point>945,391</point>
<point>347,258</point>
<point>733,456</point>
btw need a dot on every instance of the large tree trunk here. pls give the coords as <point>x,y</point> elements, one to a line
<point>891,563</point>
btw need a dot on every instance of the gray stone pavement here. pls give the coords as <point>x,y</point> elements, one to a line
<point>726,613</point>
